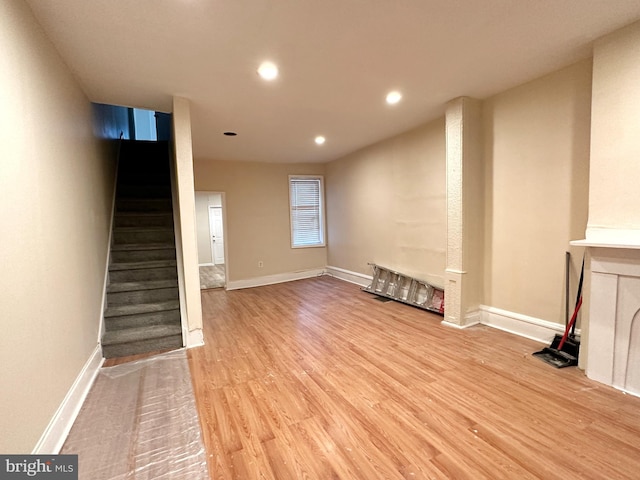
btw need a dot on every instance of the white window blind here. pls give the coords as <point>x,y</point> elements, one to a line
<point>307,223</point>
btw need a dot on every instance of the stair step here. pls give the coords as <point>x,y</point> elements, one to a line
<point>145,162</point>
<point>165,317</point>
<point>140,219</point>
<point>142,189</point>
<point>128,247</point>
<point>141,308</point>
<point>135,334</point>
<point>172,342</point>
<point>144,184</point>
<point>143,205</point>
<point>135,286</point>
<point>128,235</point>
<point>143,229</point>
<point>141,265</point>
<point>143,274</point>
<point>134,297</point>
<point>126,253</point>
<point>132,341</point>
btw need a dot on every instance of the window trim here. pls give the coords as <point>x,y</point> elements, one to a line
<point>322,220</point>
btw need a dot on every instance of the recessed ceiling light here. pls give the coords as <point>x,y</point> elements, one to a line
<point>393,97</point>
<point>268,70</point>
<point>320,139</point>
<point>230,134</point>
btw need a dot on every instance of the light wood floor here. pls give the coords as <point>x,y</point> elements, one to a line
<point>317,380</point>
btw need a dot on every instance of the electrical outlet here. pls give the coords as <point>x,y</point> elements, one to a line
<point>260,264</point>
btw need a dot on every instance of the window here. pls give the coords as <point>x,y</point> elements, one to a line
<point>307,211</point>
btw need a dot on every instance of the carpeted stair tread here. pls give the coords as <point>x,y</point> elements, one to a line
<point>143,205</point>
<point>161,200</point>
<point>144,219</point>
<point>143,274</point>
<point>172,342</point>
<point>121,247</point>
<point>119,310</point>
<point>143,229</point>
<point>142,252</point>
<point>166,217</point>
<point>133,189</point>
<point>142,265</point>
<point>144,214</point>
<point>142,234</point>
<point>166,317</point>
<point>134,286</point>
<point>151,332</point>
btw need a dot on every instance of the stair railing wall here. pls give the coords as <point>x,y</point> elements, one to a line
<point>178,239</point>
<point>113,211</point>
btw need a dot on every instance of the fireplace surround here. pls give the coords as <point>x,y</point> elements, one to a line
<point>613,345</point>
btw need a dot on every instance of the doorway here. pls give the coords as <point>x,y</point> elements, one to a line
<point>210,222</point>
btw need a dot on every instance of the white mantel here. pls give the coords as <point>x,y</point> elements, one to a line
<point>613,347</point>
<point>610,238</point>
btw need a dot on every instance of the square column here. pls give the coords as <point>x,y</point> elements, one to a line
<point>465,212</point>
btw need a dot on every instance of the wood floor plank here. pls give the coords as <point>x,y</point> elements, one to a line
<point>316,379</point>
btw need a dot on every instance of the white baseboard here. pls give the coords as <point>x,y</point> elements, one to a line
<point>195,338</point>
<point>458,327</point>
<point>470,319</point>
<point>349,276</point>
<point>56,432</point>
<point>206,265</point>
<point>627,392</point>
<point>530,327</point>
<point>271,279</point>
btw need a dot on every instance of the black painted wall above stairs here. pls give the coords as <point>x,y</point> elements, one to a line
<point>143,307</point>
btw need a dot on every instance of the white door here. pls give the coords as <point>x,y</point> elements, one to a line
<point>217,235</point>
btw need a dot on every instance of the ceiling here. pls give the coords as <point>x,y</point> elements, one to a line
<point>337,61</point>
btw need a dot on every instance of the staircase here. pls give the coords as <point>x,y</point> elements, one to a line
<point>143,308</point>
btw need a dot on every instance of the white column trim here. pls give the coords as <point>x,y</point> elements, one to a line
<point>195,338</point>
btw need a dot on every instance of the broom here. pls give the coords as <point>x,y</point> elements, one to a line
<point>564,350</point>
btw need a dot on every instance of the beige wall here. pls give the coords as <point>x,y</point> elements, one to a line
<point>615,144</point>
<point>57,187</point>
<point>386,204</point>
<point>537,156</point>
<point>257,216</point>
